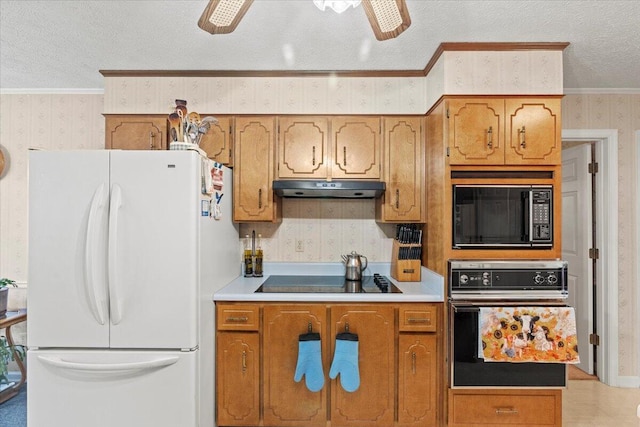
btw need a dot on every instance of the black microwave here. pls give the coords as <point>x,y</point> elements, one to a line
<point>502,216</point>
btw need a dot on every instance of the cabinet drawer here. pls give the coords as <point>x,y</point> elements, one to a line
<point>535,408</point>
<point>419,318</point>
<point>237,317</point>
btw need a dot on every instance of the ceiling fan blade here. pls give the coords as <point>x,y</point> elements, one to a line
<point>388,18</point>
<point>223,16</point>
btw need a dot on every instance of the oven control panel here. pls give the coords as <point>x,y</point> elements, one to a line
<point>507,276</point>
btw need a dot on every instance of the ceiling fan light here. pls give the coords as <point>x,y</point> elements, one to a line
<point>388,18</point>
<point>223,16</point>
<point>337,6</point>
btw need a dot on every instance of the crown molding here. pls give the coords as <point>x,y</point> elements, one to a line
<point>38,91</point>
<point>601,91</point>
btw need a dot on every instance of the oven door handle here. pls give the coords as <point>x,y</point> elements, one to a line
<point>465,308</point>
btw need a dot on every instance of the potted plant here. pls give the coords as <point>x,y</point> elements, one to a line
<point>8,353</point>
<point>4,293</point>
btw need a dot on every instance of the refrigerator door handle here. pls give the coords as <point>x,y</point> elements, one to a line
<point>109,369</point>
<point>92,239</point>
<point>114,208</point>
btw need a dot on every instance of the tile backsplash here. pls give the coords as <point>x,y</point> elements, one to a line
<point>321,230</point>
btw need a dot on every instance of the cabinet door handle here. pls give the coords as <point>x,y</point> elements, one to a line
<point>397,198</point>
<point>260,198</point>
<point>244,360</point>
<point>344,155</point>
<point>490,137</point>
<point>413,362</point>
<point>241,319</point>
<point>417,320</point>
<point>151,138</point>
<point>313,160</point>
<point>521,135</point>
<point>506,411</point>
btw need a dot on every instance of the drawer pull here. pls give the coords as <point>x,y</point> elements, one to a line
<point>242,319</point>
<point>418,320</point>
<point>506,411</point>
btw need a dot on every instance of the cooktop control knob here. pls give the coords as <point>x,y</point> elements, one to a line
<point>486,282</point>
<point>464,279</point>
<point>552,279</point>
<point>381,282</point>
<point>538,279</point>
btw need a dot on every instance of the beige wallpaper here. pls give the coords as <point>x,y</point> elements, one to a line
<point>621,112</point>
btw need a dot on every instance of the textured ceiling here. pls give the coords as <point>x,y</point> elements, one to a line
<point>63,44</point>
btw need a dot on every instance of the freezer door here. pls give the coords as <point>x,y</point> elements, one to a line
<point>153,249</point>
<point>68,202</point>
<point>112,388</point>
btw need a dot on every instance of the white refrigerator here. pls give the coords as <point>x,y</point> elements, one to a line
<point>126,249</point>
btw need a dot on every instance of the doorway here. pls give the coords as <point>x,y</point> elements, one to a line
<point>605,239</point>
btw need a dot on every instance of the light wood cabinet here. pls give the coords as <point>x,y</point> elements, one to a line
<point>397,361</point>
<point>253,198</point>
<point>136,132</point>
<point>303,143</point>
<point>329,148</point>
<point>238,378</point>
<point>355,147</point>
<point>531,408</point>
<point>218,141</point>
<point>403,171</point>
<point>497,131</point>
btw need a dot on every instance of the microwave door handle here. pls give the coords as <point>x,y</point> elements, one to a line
<point>527,220</point>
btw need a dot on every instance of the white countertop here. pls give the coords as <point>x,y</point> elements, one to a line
<point>429,289</point>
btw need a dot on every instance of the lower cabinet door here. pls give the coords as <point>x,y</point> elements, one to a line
<point>417,380</point>
<point>238,378</point>
<point>287,402</point>
<point>373,402</point>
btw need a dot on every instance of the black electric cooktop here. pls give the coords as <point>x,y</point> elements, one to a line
<point>327,284</point>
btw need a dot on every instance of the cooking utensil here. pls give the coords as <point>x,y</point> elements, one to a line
<point>175,123</point>
<point>354,267</point>
<point>193,117</point>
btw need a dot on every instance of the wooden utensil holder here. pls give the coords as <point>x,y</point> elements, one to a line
<point>404,270</point>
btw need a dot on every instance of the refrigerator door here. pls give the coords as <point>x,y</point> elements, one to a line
<point>68,205</point>
<point>153,249</point>
<point>112,388</point>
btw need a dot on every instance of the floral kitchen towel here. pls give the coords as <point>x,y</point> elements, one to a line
<point>528,334</point>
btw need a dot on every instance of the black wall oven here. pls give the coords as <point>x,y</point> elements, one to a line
<point>502,216</point>
<point>477,284</point>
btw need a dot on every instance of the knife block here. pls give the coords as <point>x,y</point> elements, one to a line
<point>404,270</point>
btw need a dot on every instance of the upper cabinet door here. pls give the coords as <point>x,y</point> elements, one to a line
<point>533,131</point>
<point>254,170</point>
<point>302,147</point>
<point>403,170</point>
<point>475,131</point>
<point>356,147</point>
<point>217,142</point>
<point>136,132</point>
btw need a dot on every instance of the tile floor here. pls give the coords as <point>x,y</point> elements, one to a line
<point>594,404</point>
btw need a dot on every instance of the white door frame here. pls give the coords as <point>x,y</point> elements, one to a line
<point>607,241</point>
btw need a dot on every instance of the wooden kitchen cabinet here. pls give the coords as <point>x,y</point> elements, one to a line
<point>355,147</point>
<point>403,171</point>
<point>136,132</point>
<point>303,143</point>
<point>397,358</point>
<point>253,198</point>
<point>373,402</point>
<point>531,408</point>
<point>504,131</point>
<point>218,141</point>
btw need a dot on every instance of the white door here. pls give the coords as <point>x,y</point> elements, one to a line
<point>68,194</point>
<point>153,249</point>
<point>576,241</point>
<point>112,388</point>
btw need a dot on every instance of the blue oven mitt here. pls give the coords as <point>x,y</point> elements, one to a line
<point>345,362</point>
<point>310,362</point>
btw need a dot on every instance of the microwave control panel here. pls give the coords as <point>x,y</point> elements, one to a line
<point>541,216</point>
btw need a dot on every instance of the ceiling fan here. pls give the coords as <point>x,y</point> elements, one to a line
<point>388,18</point>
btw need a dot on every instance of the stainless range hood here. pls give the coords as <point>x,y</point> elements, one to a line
<point>329,189</point>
